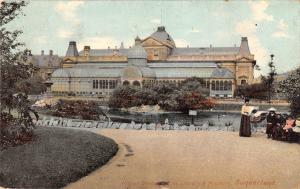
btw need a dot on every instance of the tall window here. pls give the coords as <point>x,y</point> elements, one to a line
<point>156,52</point>
<point>221,85</point>
<point>213,85</point>
<point>96,84</point>
<point>225,85</point>
<point>126,83</point>
<point>101,84</point>
<point>243,81</point>
<point>229,85</point>
<point>136,83</point>
<point>217,85</point>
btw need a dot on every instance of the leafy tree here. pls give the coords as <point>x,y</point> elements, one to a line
<point>253,91</point>
<point>190,94</point>
<point>32,85</point>
<point>268,80</point>
<point>13,70</point>
<point>291,88</point>
<point>193,100</point>
<point>124,97</point>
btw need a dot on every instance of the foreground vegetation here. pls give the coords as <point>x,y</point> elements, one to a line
<point>55,158</point>
<point>191,94</point>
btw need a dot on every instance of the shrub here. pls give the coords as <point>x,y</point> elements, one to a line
<point>78,109</point>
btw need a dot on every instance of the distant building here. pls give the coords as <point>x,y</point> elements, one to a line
<point>47,64</point>
<point>155,59</point>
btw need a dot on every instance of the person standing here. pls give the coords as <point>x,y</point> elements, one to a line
<point>245,127</point>
<point>271,121</point>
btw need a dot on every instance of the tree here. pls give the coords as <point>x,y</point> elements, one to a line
<point>124,97</point>
<point>13,70</point>
<point>291,88</point>
<point>269,79</point>
<point>193,100</point>
<point>253,91</point>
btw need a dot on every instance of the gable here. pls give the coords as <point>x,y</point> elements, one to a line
<point>149,41</point>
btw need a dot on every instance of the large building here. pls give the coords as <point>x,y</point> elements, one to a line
<point>47,63</point>
<point>155,59</point>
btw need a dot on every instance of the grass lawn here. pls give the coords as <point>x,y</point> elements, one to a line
<point>57,157</point>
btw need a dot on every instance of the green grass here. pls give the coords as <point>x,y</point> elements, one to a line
<point>57,157</point>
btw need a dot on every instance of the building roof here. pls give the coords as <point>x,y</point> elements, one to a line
<point>205,51</point>
<point>86,73</point>
<point>222,73</point>
<point>182,65</point>
<point>46,61</point>
<point>162,35</point>
<point>63,73</point>
<point>137,52</point>
<point>106,52</point>
<point>182,73</point>
<point>137,72</point>
<point>244,48</point>
<point>72,49</point>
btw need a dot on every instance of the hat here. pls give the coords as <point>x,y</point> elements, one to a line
<point>271,109</point>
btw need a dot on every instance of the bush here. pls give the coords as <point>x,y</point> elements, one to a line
<point>254,91</point>
<point>190,94</point>
<point>77,109</point>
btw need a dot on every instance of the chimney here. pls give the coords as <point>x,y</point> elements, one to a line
<point>137,41</point>
<point>244,48</point>
<point>210,46</point>
<point>122,45</point>
<point>161,29</point>
<point>108,47</point>
<point>188,46</point>
<point>51,52</point>
<point>42,52</point>
<point>72,49</point>
<point>86,50</point>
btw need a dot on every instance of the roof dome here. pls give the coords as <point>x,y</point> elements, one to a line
<point>137,52</point>
<point>137,73</point>
<point>162,35</point>
<point>61,73</point>
<point>222,73</point>
<point>131,72</point>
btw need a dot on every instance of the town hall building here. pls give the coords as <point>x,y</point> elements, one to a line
<point>154,59</point>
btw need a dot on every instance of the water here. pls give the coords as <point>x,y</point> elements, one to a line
<point>211,118</point>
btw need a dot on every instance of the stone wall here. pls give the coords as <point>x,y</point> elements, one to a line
<point>66,122</point>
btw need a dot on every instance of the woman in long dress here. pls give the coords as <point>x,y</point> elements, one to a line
<point>245,127</point>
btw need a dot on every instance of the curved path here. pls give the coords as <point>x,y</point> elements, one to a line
<point>183,159</point>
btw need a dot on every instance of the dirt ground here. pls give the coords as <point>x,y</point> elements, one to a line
<point>205,159</point>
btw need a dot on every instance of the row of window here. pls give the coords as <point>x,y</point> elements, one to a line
<point>221,85</point>
<point>105,84</point>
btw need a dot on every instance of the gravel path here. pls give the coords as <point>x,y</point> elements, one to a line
<point>184,159</point>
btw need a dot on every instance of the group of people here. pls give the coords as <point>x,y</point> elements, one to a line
<point>278,126</point>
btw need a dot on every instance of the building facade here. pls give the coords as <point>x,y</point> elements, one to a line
<point>155,59</point>
<point>47,63</point>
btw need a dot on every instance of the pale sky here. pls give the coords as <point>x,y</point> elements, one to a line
<point>272,27</point>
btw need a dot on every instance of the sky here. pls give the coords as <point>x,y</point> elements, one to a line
<point>272,27</point>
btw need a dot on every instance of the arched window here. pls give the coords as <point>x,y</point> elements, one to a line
<point>229,87</point>
<point>136,83</point>
<point>126,83</point>
<point>217,85</point>
<point>243,82</point>
<point>225,85</point>
<point>213,85</point>
<point>221,85</point>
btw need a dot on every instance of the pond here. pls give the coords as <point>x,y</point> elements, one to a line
<point>211,118</point>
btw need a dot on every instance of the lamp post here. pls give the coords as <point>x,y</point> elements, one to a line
<point>271,77</point>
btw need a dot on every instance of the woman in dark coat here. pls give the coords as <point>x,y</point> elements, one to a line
<point>271,122</point>
<point>245,127</point>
